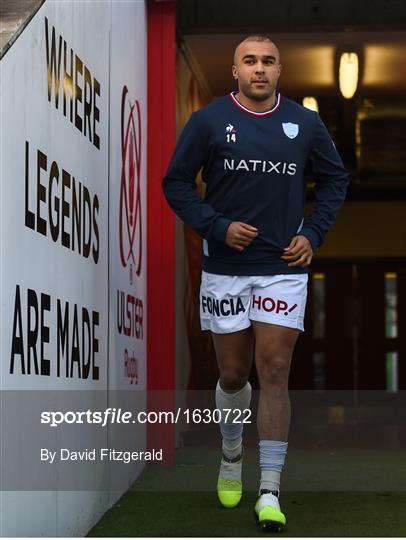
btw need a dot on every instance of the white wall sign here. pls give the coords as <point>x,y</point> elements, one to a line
<point>73,252</point>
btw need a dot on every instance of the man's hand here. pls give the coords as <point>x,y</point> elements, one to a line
<point>240,235</point>
<point>299,252</point>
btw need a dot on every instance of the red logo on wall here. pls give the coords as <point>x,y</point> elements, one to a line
<point>130,192</point>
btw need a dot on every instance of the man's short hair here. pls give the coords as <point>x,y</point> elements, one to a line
<point>255,37</point>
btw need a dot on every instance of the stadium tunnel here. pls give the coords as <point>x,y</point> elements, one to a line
<point>355,339</point>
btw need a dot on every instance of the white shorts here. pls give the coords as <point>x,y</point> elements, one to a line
<point>230,303</point>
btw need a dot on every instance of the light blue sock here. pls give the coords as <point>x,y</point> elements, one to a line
<point>232,431</point>
<point>272,456</point>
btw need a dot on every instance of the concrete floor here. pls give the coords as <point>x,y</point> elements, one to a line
<point>14,16</point>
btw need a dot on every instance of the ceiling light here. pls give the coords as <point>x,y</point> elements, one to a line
<point>310,102</point>
<point>348,74</point>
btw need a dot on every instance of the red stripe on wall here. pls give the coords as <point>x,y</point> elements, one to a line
<point>160,223</point>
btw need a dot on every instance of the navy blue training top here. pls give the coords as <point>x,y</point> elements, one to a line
<point>255,167</point>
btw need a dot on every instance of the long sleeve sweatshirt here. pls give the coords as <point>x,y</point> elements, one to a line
<point>255,167</point>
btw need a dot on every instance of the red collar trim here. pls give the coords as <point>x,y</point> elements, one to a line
<point>265,113</point>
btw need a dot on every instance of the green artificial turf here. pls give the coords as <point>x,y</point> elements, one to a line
<point>308,514</point>
<point>349,492</point>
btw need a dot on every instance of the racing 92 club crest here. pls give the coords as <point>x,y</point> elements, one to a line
<point>130,215</point>
<point>290,130</point>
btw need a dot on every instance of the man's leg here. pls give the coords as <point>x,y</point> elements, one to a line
<point>234,353</point>
<point>274,347</point>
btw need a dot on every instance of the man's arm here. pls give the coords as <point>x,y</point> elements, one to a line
<point>331,180</point>
<point>179,183</point>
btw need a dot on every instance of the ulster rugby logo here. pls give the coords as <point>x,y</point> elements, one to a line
<point>130,191</point>
<point>290,130</point>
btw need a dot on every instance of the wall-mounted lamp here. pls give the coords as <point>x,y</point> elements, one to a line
<point>348,74</point>
<point>310,102</point>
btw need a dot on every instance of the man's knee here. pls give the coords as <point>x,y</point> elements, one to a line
<point>273,370</point>
<point>232,380</point>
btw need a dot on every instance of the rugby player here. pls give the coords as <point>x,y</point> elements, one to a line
<point>255,148</point>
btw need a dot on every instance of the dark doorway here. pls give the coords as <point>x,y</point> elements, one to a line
<point>355,327</point>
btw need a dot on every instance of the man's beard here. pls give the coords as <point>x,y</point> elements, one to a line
<point>263,96</point>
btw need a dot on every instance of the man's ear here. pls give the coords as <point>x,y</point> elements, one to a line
<point>235,73</point>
